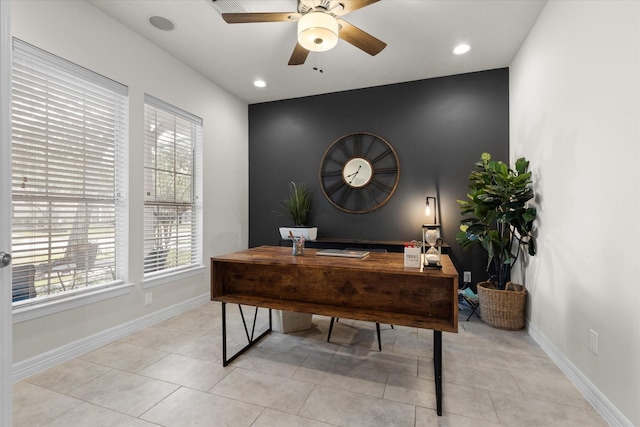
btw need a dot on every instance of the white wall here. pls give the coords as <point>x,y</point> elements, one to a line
<point>575,114</point>
<point>80,33</point>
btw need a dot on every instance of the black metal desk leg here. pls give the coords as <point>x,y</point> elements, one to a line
<point>224,334</point>
<point>437,368</point>
<point>250,336</point>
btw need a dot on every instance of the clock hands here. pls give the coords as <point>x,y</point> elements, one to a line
<point>353,175</point>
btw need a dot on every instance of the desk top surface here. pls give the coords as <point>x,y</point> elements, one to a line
<point>375,261</point>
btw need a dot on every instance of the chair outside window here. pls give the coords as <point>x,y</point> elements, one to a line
<point>78,261</point>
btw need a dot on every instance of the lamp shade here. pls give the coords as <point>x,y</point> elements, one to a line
<point>318,31</point>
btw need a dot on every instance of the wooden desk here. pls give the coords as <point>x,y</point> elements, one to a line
<point>377,288</point>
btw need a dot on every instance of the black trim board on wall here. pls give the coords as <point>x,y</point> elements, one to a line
<point>438,127</point>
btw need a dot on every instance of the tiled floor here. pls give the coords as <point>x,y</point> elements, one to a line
<point>171,375</point>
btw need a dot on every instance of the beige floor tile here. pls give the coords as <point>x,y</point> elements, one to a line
<point>358,377</point>
<point>206,312</point>
<point>195,323</point>
<point>459,353</point>
<point>468,339</point>
<point>187,408</point>
<point>266,390</point>
<point>425,368</point>
<point>410,390</point>
<point>92,415</point>
<point>426,334</point>
<point>68,375</point>
<point>272,418</point>
<point>150,337</point>
<point>552,388</point>
<point>414,346</point>
<point>270,362</point>
<point>478,327</point>
<point>428,418</point>
<point>344,408</point>
<point>205,347</point>
<point>517,342</point>
<point>408,330</point>
<point>302,346</point>
<point>34,405</point>
<point>460,400</point>
<point>525,412</point>
<point>468,402</point>
<point>386,361</point>
<point>186,371</point>
<point>124,392</point>
<point>123,356</point>
<point>495,359</point>
<point>494,379</point>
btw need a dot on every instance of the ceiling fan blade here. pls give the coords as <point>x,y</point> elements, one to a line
<point>244,18</point>
<point>360,39</point>
<point>299,55</point>
<point>351,5</point>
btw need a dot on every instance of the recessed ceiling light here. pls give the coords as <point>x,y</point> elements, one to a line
<point>162,23</point>
<point>260,83</point>
<point>461,49</point>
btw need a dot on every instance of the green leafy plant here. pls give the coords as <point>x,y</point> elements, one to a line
<point>497,215</point>
<point>298,205</point>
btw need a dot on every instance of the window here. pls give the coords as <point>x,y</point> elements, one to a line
<point>69,136</point>
<point>172,213</point>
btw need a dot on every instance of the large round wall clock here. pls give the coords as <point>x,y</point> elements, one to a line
<point>359,172</point>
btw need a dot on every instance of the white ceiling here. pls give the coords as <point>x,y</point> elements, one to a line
<point>420,35</point>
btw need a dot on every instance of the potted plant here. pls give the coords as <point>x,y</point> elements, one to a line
<point>298,207</point>
<point>497,216</point>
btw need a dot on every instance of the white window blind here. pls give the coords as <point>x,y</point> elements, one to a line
<point>69,136</point>
<point>172,177</point>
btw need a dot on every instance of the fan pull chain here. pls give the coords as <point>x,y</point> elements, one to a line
<point>315,67</point>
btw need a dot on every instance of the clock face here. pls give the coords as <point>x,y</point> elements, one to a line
<point>359,172</point>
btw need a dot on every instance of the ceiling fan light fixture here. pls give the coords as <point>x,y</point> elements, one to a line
<point>318,31</point>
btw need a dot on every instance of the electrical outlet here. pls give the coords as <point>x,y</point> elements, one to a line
<point>148,298</point>
<point>467,277</point>
<point>593,341</point>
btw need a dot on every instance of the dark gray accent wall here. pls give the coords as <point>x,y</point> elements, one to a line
<point>438,127</point>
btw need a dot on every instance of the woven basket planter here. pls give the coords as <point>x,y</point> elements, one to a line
<point>502,309</point>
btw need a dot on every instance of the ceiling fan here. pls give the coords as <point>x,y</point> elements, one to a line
<point>319,26</point>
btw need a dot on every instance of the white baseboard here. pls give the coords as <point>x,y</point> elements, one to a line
<point>600,403</point>
<point>77,348</point>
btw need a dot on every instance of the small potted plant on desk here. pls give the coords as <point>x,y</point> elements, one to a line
<point>298,207</point>
<point>497,216</point>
